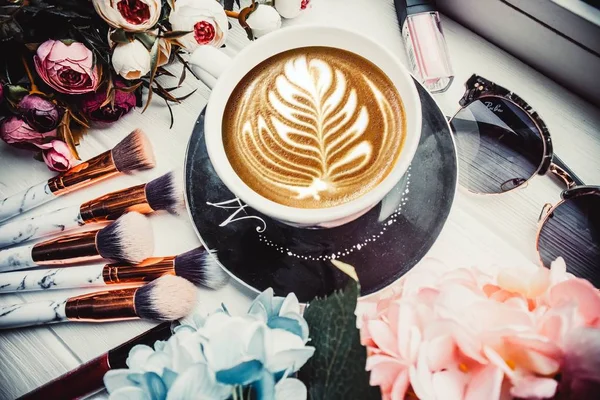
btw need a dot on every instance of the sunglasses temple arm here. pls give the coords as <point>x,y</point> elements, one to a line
<point>564,173</point>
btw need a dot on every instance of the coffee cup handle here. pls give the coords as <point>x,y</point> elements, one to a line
<point>208,63</point>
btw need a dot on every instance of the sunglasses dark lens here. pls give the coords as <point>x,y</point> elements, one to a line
<point>573,232</point>
<point>499,146</point>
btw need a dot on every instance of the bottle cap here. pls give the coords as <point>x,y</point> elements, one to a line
<point>404,8</point>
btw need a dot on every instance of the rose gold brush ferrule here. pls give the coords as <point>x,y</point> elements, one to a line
<point>73,248</point>
<point>112,205</point>
<point>147,271</point>
<point>100,167</point>
<point>114,305</point>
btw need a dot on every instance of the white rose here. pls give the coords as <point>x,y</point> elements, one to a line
<point>131,60</point>
<point>288,8</point>
<point>265,19</point>
<point>130,15</point>
<point>205,18</point>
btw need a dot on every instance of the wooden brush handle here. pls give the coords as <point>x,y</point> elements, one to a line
<point>77,383</point>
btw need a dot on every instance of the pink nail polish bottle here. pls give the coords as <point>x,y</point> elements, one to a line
<point>425,43</point>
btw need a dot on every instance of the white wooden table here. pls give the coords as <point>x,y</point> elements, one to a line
<point>481,230</point>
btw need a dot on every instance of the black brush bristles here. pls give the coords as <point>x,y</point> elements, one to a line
<point>201,268</point>
<point>129,239</point>
<point>165,299</point>
<point>133,152</point>
<point>165,193</point>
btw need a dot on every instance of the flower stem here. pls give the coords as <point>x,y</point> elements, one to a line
<point>34,88</point>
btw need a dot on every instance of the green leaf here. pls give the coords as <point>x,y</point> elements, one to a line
<point>337,369</point>
<point>120,36</point>
<point>15,92</point>
<point>146,39</point>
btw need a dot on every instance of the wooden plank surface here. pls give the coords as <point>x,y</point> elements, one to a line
<point>480,231</point>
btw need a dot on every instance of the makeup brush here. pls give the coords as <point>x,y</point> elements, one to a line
<point>197,266</point>
<point>133,152</point>
<point>128,239</point>
<point>163,193</point>
<point>88,378</point>
<point>165,299</point>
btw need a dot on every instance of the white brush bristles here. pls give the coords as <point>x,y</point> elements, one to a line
<point>201,268</point>
<point>165,299</point>
<point>130,238</point>
<point>215,276</point>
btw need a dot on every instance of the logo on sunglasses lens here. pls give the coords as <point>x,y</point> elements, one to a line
<point>496,108</point>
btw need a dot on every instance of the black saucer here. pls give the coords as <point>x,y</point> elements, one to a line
<point>382,245</point>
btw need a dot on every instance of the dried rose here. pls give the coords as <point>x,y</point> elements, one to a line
<point>205,19</point>
<point>15,130</point>
<point>57,156</point>
<point>129,15</point>
<point>123,102</point>
<point>67,68</point>
<point>39,113</point>
<point>265,19</point>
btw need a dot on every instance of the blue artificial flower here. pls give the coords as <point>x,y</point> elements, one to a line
<point>213,356</point>
<point>280,313</point>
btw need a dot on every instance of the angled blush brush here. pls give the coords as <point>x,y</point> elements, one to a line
<point>128,239</point>
<point>88,378</point>
<point>132,153</point>
<point>197,266</point>
<point>163,193</point>
<point>165,299</point>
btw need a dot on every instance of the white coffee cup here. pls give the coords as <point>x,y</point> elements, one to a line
<point>222,73</point>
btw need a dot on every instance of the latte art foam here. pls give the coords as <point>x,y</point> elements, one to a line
<point>314,127</point>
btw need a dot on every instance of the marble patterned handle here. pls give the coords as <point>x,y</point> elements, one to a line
<point>24,229</point>
<point>28,314</point>
<point>50,279</point>
<point>26,200</point>
<point>16,258</point>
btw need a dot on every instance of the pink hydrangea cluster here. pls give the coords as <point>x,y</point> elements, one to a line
<point>466,334</point>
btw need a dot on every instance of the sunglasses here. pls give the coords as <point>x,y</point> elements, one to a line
<point>502,143</point>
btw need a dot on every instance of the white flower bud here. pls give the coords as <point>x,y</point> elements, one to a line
<point>288,8</point>
<point>131,60</point>
<point>265,19</point>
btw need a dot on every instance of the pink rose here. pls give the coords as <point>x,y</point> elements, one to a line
<point>67,68</point>
<point>92,102</point>
<point>1,93</point>
<point>57,155</point>
<point>14,130</point>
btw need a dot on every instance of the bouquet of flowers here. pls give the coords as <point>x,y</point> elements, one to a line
<point>222,356</point>
<point>74,62</point>
<point>467,334</point>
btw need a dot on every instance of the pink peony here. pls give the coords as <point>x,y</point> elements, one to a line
<point>465,334</point>
<point>14,130</point>
<point>67,68</point>
<point>57,156</point>
<point>92,102</point>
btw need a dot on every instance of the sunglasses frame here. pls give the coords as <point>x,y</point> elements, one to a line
<point>477,88</point>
